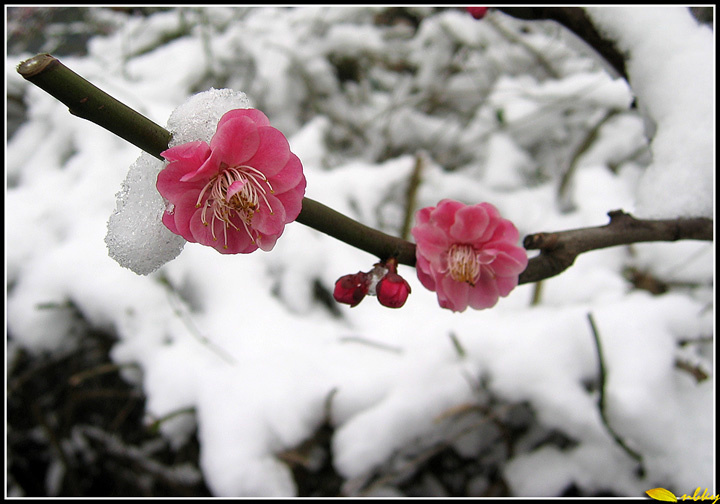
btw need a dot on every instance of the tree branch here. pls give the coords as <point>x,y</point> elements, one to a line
<point>557,250</point>
<point>89,102</point>
<point>333,223</point>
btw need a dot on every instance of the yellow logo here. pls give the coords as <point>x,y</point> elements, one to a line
<point>666,495</point>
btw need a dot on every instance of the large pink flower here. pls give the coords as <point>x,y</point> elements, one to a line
<point>237,193</point>
<point>468,254</point>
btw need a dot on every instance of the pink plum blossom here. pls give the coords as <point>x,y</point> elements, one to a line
<point>468,254</point>
<point>237,193</point>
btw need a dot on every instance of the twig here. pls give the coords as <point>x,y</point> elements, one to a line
<point>539,57</point>
<point>333,223</point>
<point>368,342</point>
<point>108,367</point>
<point>362,486</point>
<point>176,306</point>
<point>558,250</point>
<point>577,21</point>
<point>89,102</point>
<point>55,443</point>
<point>457,345</point>
<point>563,198</point>
<point>411,194</point>
<point>155,425</point>
<point>695,370</point>
<point>601,397</point>
<point>537,294</point>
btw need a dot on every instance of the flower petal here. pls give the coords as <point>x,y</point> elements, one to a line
<point>171,188</point>
<point>424,273</point>
<point>235,188</point>
<point>485,292</point>
<point>471,222</point>
<point>506,284</point>
<point>422,216</point>
<point>169,220</point>
<point>509,260</point>
<point>292,202</point>
<point>432,242</point>
<point>270,223</point>
<point>505,231</point>
<point>254,115</point>
<point>183,211</point>
<point>238,241</point>
<point>185,161</point>
<point>454,294</point>
<point>267,242</point>
<point>444,214</point>
<point>187,151</point>
<point>272,153</point>
<point>289,177</point>
<point>236,141</point>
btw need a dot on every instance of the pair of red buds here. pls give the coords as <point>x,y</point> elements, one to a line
<point>383,281</point>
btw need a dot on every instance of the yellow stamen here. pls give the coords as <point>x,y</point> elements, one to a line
<point>463,264</point>
<point>242,204</point>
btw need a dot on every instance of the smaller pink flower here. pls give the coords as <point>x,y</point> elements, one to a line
<point>237,193</point>
<point>477,12</point>
<point>467,254</point>
<point>351,289</point>
<point>392,290</point>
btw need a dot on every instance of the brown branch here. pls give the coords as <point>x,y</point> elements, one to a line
<point>87,101</point>
<point>559,250</point>
<point>333,223</point>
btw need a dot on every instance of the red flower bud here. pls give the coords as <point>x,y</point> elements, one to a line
<point>351,289</point>
<point>392,290</point>
<point>477,12</point>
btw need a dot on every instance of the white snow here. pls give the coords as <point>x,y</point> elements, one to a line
<point>671,70</point>
<point>197,118</point>
<point>137,239</point>
<point>242,340</point>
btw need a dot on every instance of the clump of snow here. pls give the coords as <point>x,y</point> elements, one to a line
<point>668,84</point>
<point>197,118</point>
<point>137,239</point>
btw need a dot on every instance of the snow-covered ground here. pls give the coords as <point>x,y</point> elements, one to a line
<point>498,114</point>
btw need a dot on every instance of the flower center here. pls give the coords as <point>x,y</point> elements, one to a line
<point>464,263</point>
<point>237,191</point>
